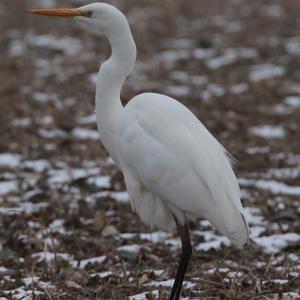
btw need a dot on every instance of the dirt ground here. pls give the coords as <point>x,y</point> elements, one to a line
<point>66,227</point>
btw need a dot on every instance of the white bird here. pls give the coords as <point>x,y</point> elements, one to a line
<point>173,167</point>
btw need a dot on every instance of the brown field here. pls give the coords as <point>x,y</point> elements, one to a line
<point>235,64</point>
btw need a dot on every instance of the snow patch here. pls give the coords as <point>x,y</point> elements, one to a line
<point>94,260</point>
<point>144,296</point>
<point>293,101</point>
<point>129,248</point>
<point>100,181</point>
<point>83,133</point>
<point>87,120</point>
<point>216,244</point>
<point>268,131</point>
<point>272,186</point>
<point>38,166</point>
<point>7,187</point>
<point>230,56</point>
<point>49,256</point>
<point>67,44</point>
<point>169,283</point>
<point>118,196</point>
<point>265,71</point>
<point>9,160</point>
<point>277,242</point>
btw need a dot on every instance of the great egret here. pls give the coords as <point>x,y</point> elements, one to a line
<point>173,167</point>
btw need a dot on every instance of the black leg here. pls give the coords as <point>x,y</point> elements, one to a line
<point>183,231</point>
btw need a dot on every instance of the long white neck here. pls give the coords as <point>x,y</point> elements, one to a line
<point>109,83</point>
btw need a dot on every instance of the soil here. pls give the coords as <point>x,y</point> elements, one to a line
<point>235,64</point>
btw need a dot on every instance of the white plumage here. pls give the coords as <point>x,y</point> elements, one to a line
<point>173,167</point>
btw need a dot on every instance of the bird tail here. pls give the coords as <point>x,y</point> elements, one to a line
<point>237,230</point>
<point>231,223</point>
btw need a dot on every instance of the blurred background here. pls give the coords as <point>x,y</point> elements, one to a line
<point>66,227</point>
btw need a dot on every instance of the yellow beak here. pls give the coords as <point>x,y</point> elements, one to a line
<point>57,12</point>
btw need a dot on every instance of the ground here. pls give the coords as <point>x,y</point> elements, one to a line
<point>66,228</point>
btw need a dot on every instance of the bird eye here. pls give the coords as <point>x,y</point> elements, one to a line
<point>89,13</point>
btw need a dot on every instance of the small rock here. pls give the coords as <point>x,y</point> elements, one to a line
<point>72,284</point>
<point>109,230</point>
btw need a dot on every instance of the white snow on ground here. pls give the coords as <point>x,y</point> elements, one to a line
<point>16,48</point>
<point>29,207</point>
<point>118,196</point>
<point>276,242</point>
<point>288,106</point>
<point>43,97</point>
<point>22,294</point>
<point>226,25</point>
<point>57,226</point>
<point>90,119</point>
<point>7,187</point>
<point>83,133</point>
<point>292,88</point>
<point>268,131</point>
<point>66,175</point>
<point>45,120</point>
<point>254,216</point>
<point>169,283</point>
<point>292,46</point>
<point>129,248</point>
<point>93,78</point>
<point>275,187</point>
<point>278,281</point>
<point>3,269</point>
<point>102,274</point>
<point>203,54</point>
<point>284,173</point>
<point>213,244</point>
<point>30,280</point>
<point>94,260</point>
<point>10,210</point>
<point>213,89</point>
<point>265,71</point>
<point>178,90</point>
<point>173,243</point>
<point>9,160</point>
<point>67,44</point>
<point>38,166</point>
<point>272,10</point>
<point>231,56</point>
<point>257,150</point>
<point>154,237</point>
<point>256,231</point>
<point>169,57</point>
<point>46,3</point>
<point>143,296</point>
<point>293,101</point>
<point>51,134</point>
<point>238,88</point>
<point>21,122</point>
<point>100,181</point>
<point>49,256</point>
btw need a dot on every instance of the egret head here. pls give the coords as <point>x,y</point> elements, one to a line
<point>101,17</point>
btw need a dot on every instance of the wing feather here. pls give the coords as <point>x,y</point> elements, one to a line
<point>165,147</point>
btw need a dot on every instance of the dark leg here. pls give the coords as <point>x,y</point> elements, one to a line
<point>183,231</point>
